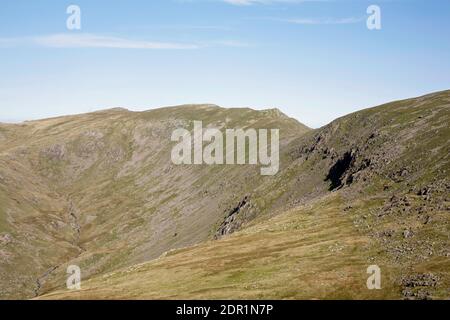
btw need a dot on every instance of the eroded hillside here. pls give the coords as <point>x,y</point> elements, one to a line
<point>100,191</point>
<point>369,188</point>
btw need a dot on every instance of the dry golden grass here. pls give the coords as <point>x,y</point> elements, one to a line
<point>307,253</point>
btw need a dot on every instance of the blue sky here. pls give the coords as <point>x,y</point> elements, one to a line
<point>314,60</point>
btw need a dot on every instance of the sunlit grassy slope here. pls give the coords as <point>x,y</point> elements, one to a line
<point>371,188</point>
<point>312,252</point>
<point>100,191</point>
<point>309,252</point>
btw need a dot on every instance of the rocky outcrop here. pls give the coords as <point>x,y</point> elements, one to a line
<point>419,286</point>
<point>235,217</point>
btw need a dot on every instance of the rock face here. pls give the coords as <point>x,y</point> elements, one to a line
<point>235,217</point>
<point>419,286</point>
<point>337,172</point>
<point>99,191</point>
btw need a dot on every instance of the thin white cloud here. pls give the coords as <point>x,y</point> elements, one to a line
<point>242,2</point>
<point>231,43</point>
<point>99,41</point>
<point>91,41</point>
<point>10,42</point>
<point>251,2</point>
<point>315,21</point>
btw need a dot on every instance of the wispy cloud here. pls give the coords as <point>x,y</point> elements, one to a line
<point>230,43</point>
<point>318,21</point>
<point>87,40</point>
<point>99,41</point>
<point>10,42</point>
<point>251,2</point>
<point>91,41</point>
<point>242,2</point>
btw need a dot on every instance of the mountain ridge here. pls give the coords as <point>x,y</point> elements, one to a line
<point>358,191</point>
<point>98,168</point>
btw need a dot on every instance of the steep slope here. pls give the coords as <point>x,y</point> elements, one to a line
<point>99,191</point>
<point>369,188</point>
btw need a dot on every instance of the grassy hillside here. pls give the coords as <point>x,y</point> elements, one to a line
<point>99,190</point>
<point>310,252</point>
<point>369,188</point>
